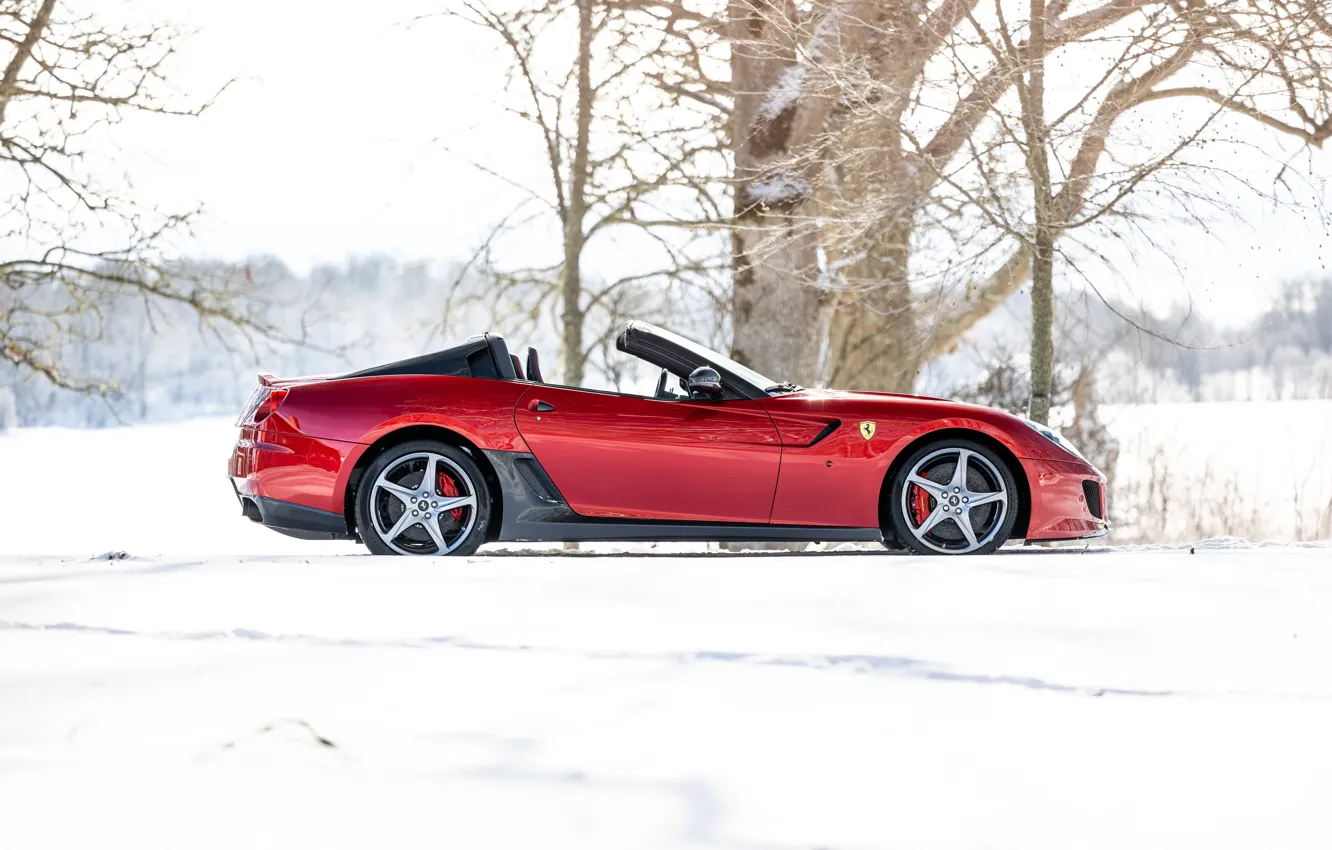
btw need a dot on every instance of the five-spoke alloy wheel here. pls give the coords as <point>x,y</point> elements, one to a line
<point>953,497</point>
<point>423,498</point>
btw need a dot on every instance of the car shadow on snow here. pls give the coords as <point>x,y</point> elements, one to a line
<point>701,811</point>
<point>882,665</point>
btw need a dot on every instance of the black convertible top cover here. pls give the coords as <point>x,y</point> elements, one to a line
<point>484,356</point>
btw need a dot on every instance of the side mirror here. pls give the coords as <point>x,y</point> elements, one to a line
<point>704,381</point>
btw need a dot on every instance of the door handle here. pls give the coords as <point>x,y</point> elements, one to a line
<point>540,406</point>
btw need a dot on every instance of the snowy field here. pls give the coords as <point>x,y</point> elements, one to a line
<point>1260,470</point>
<point>225,687</point>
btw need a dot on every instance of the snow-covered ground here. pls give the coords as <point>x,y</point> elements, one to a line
<point>225,687</point>
<point>1151,699</point>
<point>1261,470</point>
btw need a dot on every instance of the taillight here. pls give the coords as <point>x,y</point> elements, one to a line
<point>250,404</point>
<point>268,405</point>
<point>261,405</point>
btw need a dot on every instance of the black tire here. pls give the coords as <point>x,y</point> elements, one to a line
<point>990,526</point>
<point>414,539</point>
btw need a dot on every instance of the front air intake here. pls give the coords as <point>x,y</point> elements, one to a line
<point>1092,490</point>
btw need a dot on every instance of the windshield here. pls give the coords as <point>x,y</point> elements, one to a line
<point>744,373</point>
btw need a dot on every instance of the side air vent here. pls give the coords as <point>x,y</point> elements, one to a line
<point>1092,490</point>
<point>827,429</point>
<point>537,481</point>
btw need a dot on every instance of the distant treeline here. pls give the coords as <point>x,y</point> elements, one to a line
<point>164,365</point>
<point>1133,356</point>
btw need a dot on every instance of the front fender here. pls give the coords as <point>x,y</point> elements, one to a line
<point>1019,448</point>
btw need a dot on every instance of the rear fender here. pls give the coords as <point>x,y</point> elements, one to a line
<point>466,432</point>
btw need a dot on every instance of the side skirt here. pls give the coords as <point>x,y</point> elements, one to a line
<point>534,511</point>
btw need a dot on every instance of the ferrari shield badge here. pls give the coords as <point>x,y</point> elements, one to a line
<point>867,429</point>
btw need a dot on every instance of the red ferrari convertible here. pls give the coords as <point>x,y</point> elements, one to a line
<point>439,454</point>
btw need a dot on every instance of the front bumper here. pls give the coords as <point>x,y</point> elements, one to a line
<point>1059,506</point>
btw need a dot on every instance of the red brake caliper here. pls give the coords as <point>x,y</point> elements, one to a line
<point>448,488</point>
<point>920,504</point>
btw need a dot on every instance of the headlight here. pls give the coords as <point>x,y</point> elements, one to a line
<point>1056,438</point>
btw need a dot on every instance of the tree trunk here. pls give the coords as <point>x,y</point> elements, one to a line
<point>571,281</point>
<point>1043,237</point>
<point>775,297</point>
<point>874,343</point>
<point>1042,326</point>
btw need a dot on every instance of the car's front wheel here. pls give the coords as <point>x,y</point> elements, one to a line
<point>423,498</point>
<point>953,497</point>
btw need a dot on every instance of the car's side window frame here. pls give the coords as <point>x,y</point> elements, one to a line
<point>726,394</point>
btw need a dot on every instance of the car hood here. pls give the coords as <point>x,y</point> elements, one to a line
<point>905,408</point>
<point>834,397</point>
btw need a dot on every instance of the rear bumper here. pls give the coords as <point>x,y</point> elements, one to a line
<point>288,482</point>
<point>292,519</point>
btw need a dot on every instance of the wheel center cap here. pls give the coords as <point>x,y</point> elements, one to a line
<point>954,500</point>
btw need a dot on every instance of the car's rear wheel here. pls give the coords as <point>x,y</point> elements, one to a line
<point>953,497</point>
<point>423,498</point>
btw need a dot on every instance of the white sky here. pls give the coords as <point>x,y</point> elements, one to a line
<point>332,143</point>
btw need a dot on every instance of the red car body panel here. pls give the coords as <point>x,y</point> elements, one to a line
<point>361,410</point>
<point>630,457</point>
<point>838,480</point>
<point>291,468</point>
<point>614,457</point>
<point>1059,508</point>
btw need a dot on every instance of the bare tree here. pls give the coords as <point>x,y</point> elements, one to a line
<point>1165,160</point>
<point>871,149</point>
<point>72,244</point>
<point>625,148</point>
